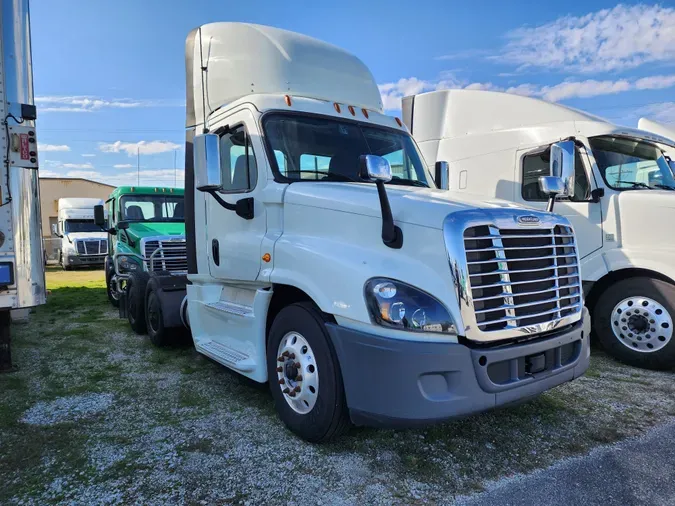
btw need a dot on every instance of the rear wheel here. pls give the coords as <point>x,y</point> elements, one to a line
<point>633,320</point>
<point>136,301</point>
<point>154,318</point>
<point>304,374</point>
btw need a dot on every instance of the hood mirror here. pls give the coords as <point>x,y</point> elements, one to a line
<point>375,168</point>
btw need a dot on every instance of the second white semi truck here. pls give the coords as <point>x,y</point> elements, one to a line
<point>323,259</point>
<point>621,205</point>
<point>82,242</point>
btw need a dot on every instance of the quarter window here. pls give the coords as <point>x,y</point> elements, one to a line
<point>536,165</point>
<point>237,161</point>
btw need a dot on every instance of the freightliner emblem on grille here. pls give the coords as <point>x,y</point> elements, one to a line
<point>528,220</point>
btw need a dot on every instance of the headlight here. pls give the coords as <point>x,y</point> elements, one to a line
<point>401,306</point>
<point>127,263</point>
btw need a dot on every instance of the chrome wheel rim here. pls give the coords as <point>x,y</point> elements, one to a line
<point>297,373</point>
<point>642,324</point>
<point>114,289</point>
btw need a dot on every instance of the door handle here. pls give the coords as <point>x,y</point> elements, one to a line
<point>215,251</point>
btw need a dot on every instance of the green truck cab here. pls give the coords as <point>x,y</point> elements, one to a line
<point>146,230</point>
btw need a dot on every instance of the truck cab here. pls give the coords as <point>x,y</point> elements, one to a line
<point>324,260</point>
<point>83,243</point>
<point>146,230</point>
<point>498,145</point>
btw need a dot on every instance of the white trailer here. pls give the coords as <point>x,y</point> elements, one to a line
<point>323,259</point>
<point>497,145</point>
<point>83,242</point>
<point>22,277</point>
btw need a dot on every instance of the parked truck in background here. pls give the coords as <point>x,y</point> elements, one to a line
<point>146,240</point>
<point>82,242</point>
<point>323,259</point>
<point>498,145</point>
<point>22,275</point>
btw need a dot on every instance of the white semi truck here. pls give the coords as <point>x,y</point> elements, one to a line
<point>498,145</point>
<point>83,243</point>
<point>323,259</point>
<point>22,276</point>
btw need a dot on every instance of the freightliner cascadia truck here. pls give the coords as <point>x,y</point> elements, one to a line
<point>324,259</point>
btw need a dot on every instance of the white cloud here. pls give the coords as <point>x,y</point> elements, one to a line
<point>88,103</point>
<point>49,173</point>
<point>620,38</point>
<point>88,155</point>
<point>75,166</point>
<point>85,174</point>
<point>464,55</point>
<point>392,93</point>
<point>145,147</point>
<point>663,112</point>
<point>123,166</point>
<point>52,147</point>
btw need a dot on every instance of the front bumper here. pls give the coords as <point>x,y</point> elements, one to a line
<point>82,261</point>
<point>397,383</point>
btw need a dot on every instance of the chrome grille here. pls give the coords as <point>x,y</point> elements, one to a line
<point>522,277</point>
<point>166,255</point>
<point>91,246</point>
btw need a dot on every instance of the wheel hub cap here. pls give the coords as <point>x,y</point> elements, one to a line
<point>297,373</point>
<point>642,324</point>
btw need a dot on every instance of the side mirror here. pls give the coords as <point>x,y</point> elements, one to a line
<point>562,166</point>
<point>374,168</point>
<point>55,229</point>
<point>442,175</point>
<point>123,225</point>
<point>99,216</point>
<point>206,149</point>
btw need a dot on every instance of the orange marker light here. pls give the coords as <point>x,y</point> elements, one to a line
<point>365,113</point>
<point>287,98</point>
<point>400,123</point>
<point>266,257</point>
<point>337,107</point>
<point>351,109</point>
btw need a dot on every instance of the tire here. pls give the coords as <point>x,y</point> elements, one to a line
<point>154,318</point>
<point>327,418</point>
<point>626,307</point>
<point>108,278</point>
<point>136,301</point>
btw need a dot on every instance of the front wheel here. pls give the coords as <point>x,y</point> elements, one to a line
<point>633,320</point>
<point>304,374</point>
<point>112,287</point>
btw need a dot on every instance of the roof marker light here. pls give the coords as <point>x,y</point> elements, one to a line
<point>337,107</point>
<point>400,123</point>
<point>365,113</point>
<point>351,109</point>
<point>287,98</point>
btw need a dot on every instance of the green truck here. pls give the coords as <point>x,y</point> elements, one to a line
<point>146,264</point>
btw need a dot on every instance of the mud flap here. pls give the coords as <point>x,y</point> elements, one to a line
<point>123,304</point>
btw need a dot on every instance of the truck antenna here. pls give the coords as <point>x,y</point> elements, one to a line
<point>203,68</point>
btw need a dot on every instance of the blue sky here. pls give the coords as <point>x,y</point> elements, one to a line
<point>109,76</point>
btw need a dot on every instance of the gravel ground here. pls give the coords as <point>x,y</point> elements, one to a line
<point>96,415</point>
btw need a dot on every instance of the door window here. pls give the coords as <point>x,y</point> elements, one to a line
<point>237,161</point>
<point>536,165</point>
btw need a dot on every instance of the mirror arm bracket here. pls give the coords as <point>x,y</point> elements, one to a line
<point>243,207</point>
<point>392,235</point>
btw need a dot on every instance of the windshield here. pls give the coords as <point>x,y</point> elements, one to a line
<point>151,208</point>
<point>324,149</point>
<point>627,164</point>
<point>74,226</point>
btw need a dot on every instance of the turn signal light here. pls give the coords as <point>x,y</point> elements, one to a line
<point>365,113</point>
<point>287,98</point>
<point>266,257</point>
<point>337,107</point>
<point>400,123</point>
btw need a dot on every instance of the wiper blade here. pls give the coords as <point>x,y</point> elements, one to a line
<point>665,186</point>
<point>408,182</point>
<point>636,184</point>
<point>327,176</point>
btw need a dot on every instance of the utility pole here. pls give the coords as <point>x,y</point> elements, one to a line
<point>138,165</point>
<point>175,170</point>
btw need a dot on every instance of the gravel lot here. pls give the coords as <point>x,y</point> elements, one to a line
<point>96,415</point>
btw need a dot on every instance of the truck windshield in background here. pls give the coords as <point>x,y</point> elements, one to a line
<point>627,164</point>
<point>75,226</point>
<point>324,149</point>
<point>152,208</point>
